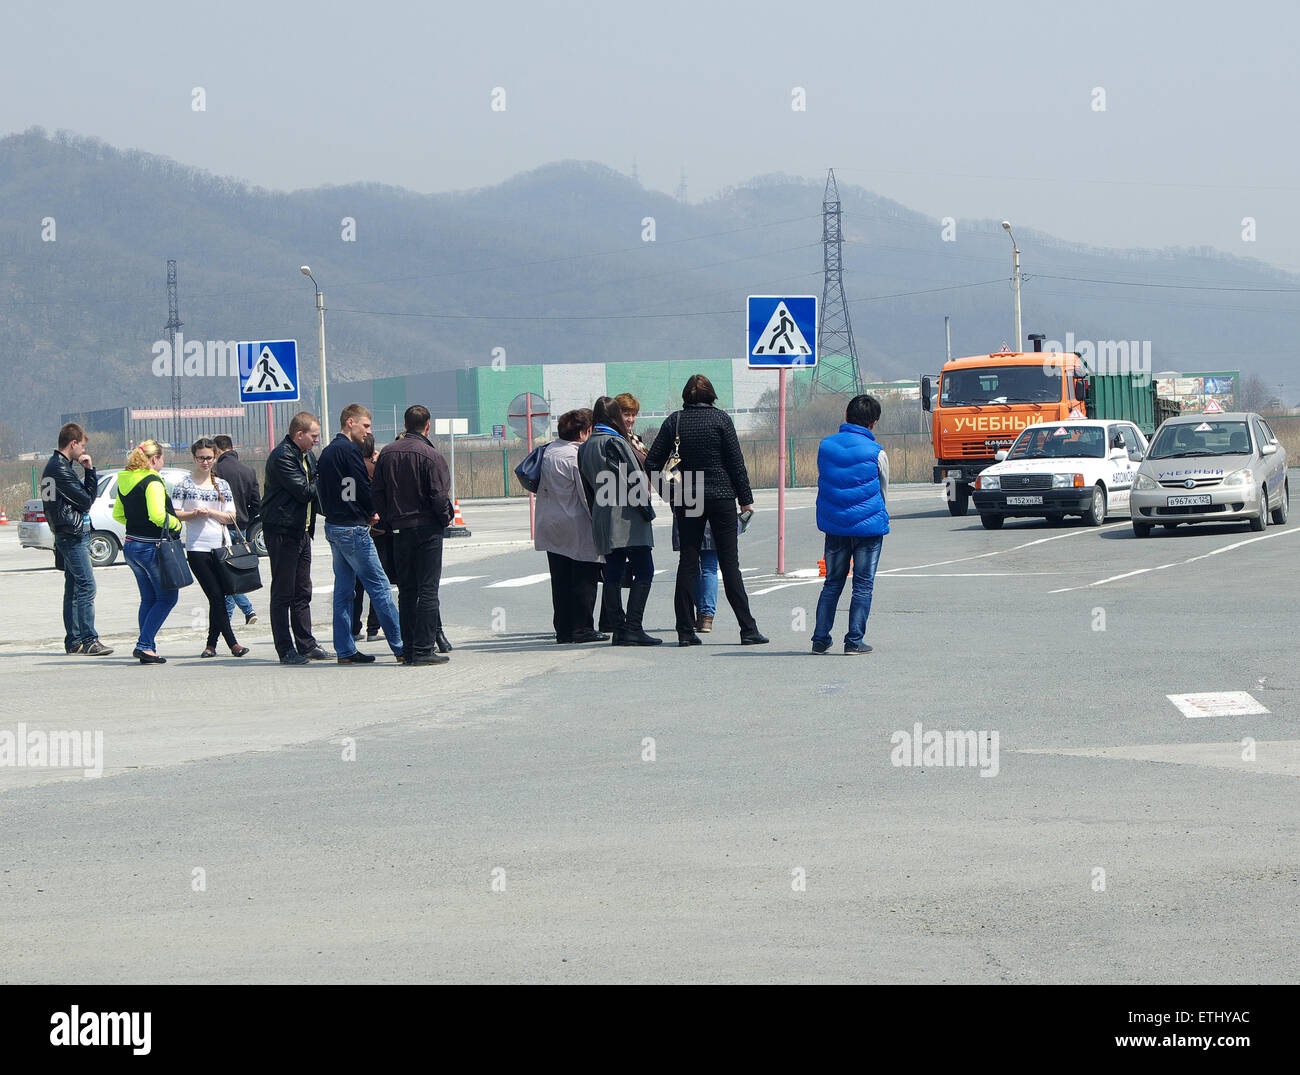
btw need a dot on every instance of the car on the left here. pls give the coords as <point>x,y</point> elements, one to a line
<point>106,533</point>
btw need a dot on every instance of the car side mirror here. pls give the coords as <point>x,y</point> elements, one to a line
<point>1000,455</point>
<point>925,393</point>
<point>1268,449</point>
<point>1139,455</point>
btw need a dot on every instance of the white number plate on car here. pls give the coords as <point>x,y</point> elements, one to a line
<point>1023,501</point>
<point>1188,501</point>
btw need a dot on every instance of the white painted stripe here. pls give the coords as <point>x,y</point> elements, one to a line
<point>1181,563</point>
<point>1000,552</point>
<point>459,578</point>
<point>971,574</point>
<point>786,586</point>
<point>525,580</point>
<point>1218,704</point>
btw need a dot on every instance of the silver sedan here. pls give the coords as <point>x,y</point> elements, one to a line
<point>1211,468</point>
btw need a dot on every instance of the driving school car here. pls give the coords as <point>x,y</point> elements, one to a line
<point>1212,468</point>
<point>1080,467</point>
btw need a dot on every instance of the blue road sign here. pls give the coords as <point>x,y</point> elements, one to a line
<point>782,331</point>
<point>268,372</point>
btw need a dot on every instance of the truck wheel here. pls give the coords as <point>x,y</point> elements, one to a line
<point>258,539</point>
<point>1260,522</point>
<point>1141,529</point>
<point>1096,513</point>
<point>957,506</point>
<point>1283,509</point>
<point>103,548</point>
<point>992,522</point>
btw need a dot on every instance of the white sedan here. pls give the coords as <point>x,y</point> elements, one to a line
<point>1083,467</point>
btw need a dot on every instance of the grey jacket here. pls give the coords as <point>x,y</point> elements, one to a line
<point>615,523</point>
<point>563,516</point>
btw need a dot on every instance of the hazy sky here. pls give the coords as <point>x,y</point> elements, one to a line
<point>965,110</point>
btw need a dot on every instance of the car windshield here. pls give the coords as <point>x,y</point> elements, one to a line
<point>999,384</point>
<point>1187,439</point>
<point>1059,442</point>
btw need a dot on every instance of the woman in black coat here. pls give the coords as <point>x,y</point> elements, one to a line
<point>713,468</point>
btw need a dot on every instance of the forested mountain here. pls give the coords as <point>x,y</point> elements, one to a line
<point>551,265</point>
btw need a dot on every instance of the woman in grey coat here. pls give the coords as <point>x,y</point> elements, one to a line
<point>563,532</point>
<point>618,493</point>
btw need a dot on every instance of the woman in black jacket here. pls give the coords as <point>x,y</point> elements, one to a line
<point>713,468</point>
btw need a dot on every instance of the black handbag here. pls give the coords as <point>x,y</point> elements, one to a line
<point>173,568</point>
<point>529,472</point>
<point>237,566</point>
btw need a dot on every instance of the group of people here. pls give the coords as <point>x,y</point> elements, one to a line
<point>384,514</point>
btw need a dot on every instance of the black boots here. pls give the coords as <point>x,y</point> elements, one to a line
<point>631,633</point>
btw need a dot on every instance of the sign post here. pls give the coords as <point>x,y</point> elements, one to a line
<point>782,333</point>
<point>528,408</point>
<point>449,427</point>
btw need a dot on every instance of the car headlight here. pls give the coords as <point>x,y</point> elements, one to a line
<point>1145,484</point>
<point>988,481</point>
<point>1067,481</point>
<point>1237,477</point>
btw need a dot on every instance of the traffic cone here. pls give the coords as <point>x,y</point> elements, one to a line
<point>821,569</point>
<point>4,519</point>
<point>457,527</point>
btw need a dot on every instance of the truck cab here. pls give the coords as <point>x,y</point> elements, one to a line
<point>982,404</point>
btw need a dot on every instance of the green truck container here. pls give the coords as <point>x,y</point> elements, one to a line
<point>1129,398</point>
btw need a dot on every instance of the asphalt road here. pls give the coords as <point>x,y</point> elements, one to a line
<point>501,819</point>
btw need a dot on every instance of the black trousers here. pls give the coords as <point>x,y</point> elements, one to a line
<point>573,594</point>
<point>204,569</point>
<point>290,556</point>
<point>417,555</point>
<point>384,547</point>
<point>721,515</point>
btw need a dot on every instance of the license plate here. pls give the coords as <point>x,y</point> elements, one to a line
<point>1188,501</point>
<point>1023,501</point>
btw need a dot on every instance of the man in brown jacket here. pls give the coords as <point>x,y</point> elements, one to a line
<point>411,493</point>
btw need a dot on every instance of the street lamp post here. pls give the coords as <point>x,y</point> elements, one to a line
<point>1006,224</point>
<point>324,389</point>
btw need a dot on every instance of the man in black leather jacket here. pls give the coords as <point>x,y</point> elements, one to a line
<point>67,499</point>
<point>290,505</point>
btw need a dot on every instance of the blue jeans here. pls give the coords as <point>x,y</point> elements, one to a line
<point>156,602</point>
<point>240,599</point>
<point>864,552</point>
<point>706,584</point>
<point>78,590</point>
<point>355,558</point>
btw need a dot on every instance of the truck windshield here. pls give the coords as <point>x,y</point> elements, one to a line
<point>1187,439</point>
<point>999,384</point>
<point>1060,442</point>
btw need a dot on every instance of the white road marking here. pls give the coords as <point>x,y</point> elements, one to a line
<point>524,580</point>
<point>1180,563</point>
<point>1220,704</point>
<point>459,578</point>
<point>1000,552</point>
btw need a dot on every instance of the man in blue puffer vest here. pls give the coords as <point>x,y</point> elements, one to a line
<point>852,478</point>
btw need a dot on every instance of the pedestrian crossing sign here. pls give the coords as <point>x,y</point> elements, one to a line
<point>268,372</point>
<point>782,331</point>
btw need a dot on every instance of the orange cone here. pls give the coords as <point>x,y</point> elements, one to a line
<point>4,519</point>
<point>457,527</point>
<point>821,569</point>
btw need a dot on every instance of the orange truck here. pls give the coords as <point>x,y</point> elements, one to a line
<point>981,403</point>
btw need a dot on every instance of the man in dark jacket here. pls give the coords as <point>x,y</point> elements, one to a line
<point>411,493</point>
<point>246,490</point>
<point>67,499</point>
<point>345,494</point>
<point>852,480</point>
<point>289,511</point>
